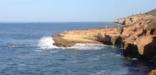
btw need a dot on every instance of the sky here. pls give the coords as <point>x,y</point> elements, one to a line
<point>71,10</point>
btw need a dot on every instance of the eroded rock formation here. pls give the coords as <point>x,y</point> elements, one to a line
<point>131,19</point>
<point>137,37</point>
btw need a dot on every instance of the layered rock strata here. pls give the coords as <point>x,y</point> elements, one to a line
<point>137,37</point>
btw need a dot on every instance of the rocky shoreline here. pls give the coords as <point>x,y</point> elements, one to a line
<point>137,37</point>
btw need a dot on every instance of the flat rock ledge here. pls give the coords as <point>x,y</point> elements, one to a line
<point>137,37</point>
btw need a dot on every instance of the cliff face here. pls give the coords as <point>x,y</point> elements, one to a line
<point>69,38</point>
<point>137,37</point>
<point>131,19</point>
<point>140,34</point>
<point>135,18</point>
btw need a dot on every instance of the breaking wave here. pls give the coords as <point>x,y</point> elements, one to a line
<point>47,43</point>
<point>80,46</point>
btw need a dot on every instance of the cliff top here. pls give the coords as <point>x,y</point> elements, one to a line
<point>152,12</point>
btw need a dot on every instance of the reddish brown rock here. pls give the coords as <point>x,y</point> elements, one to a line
<point>131,19</point>
<point>153,72</point>
<point>105,39</point>
<point>142,42</point>
<point>150,49</point>
<point>131,50</point>
<point>136,37</point>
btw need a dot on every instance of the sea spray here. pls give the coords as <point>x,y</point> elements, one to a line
<point>80,46</point>
<point>46,43</point>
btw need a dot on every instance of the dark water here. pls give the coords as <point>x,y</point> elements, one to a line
<point>20,53</point>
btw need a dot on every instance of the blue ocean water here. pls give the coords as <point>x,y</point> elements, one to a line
<point>26,49</point>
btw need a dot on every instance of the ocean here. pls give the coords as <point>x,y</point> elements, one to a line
<point>26,49</point>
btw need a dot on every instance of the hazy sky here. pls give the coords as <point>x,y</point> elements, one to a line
<point>70,10</point>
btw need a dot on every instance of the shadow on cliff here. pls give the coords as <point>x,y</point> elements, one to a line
<point>150,51</point>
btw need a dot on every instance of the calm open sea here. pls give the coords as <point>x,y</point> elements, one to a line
<point>26,49</point>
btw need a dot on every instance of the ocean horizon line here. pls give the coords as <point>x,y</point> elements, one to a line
<point>59,22</point>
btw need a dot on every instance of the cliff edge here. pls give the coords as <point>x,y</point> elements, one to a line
<point>137,37</point>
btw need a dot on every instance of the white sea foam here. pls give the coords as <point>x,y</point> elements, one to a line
<point>47,43</point>
<point>80,46</point>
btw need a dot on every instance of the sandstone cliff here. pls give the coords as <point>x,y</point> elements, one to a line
<point>135,18</point>
<point>131,19</point>
<point>137,37</point>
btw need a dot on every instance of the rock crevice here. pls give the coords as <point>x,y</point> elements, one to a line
<point>137,37</point>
